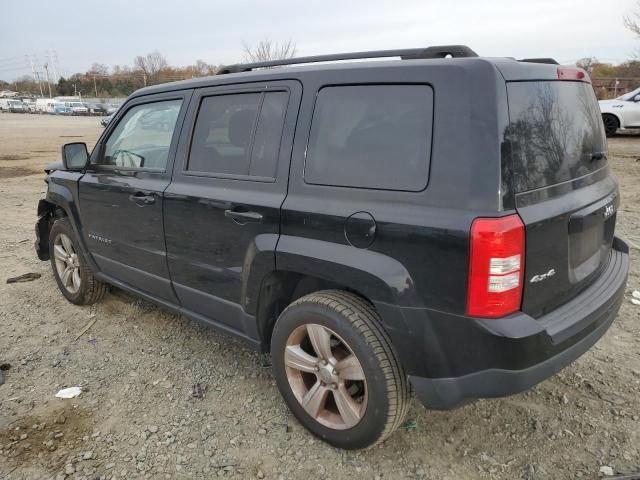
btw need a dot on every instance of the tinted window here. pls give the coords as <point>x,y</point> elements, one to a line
<point>238,134</point>
<point>266,146</point>
<point>143,136</point>
<point>374,136</point>
<point>555,134</point>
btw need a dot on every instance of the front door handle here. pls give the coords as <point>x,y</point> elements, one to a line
<point>142,198</point>
<point>242,218</point>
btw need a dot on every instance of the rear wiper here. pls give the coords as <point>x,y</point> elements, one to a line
<point>595,156</point>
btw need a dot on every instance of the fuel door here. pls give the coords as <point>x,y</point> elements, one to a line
<point>360,229</point>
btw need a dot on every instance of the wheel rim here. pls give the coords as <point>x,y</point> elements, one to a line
<point>67,263</point>
<point>325,376</point>
<point>610,124</point>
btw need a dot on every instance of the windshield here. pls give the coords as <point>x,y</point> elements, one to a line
<point>555,133</point>
<point>630,95</point>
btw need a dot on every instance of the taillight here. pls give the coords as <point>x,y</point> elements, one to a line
<point>496,266</point>
<point>571,73</point>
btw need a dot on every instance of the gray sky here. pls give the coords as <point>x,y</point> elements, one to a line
<point>115,31</point>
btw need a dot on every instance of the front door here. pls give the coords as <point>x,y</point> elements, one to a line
<point>632,112</point>
<point>121,193</point>
<point>222,209</point>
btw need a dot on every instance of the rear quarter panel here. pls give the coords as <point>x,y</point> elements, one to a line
<point>420,253</point>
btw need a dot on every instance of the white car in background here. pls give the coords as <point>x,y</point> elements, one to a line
<point>622,112</point>
<point>77,108</point>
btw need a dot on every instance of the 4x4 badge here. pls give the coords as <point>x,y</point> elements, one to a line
<point>608,211</point>
<point>543,276</point>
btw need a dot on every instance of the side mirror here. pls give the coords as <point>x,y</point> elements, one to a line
<point>74,156</point>
<point>636,98</point>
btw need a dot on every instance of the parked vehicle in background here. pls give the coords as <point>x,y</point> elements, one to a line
<point>621,113</point>
<point>77,108</point>
<point>112,108</point>
<point>105,121</point>
<point>96,108</point>
<point>30,105</point>
<point>12,106</point>
<point>45,105</point>
<point>331,215</point>
<point>60,108</point>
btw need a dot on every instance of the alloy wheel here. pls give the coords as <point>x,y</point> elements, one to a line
<point>67,263</point>
<point>325,376</point>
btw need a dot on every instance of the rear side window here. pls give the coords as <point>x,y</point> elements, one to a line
<point>555,133</point>
<point>371,136</point>
<point>238,134</point>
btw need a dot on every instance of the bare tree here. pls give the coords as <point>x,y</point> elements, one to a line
<point>151,63</point>
<point>99,69</point>
<point>587,64</point>
<point>267,50</point>
<point>632,20</point>
<point>202,68</point>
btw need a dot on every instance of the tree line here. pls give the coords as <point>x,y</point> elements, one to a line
<point>102,81</point>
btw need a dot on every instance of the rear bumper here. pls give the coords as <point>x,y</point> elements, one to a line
<point>452,360</point>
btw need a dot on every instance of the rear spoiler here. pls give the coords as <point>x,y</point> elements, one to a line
<point>550,61</point>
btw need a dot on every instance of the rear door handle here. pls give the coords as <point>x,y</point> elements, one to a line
<point>142,198</point>
<point>242,218</point>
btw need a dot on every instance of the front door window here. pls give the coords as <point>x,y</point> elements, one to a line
<point>142,138</point>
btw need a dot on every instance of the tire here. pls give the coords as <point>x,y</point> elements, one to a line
<point>611,124</point>
<point>346,406</point>
<point>80,286</point>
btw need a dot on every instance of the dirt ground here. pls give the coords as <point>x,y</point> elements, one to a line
<point>137,364</point>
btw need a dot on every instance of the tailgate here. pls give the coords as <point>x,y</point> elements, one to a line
<point>564,192</point>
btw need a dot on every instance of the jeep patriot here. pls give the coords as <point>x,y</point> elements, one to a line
<point>437,221</point>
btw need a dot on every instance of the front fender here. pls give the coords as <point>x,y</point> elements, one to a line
<point>612,111</point>
<point>63,193</point>
<point>377,276</point>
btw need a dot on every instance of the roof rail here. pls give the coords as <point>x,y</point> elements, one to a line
<point>440,51</point>
<point>550,61</point>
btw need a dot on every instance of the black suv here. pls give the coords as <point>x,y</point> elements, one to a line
<point>444,223</point>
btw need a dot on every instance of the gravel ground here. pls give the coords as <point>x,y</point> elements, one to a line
<point>137,417</point>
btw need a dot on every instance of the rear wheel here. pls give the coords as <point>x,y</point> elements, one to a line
<point>611,124</point>
<point>71,271</point>
<point>337,371</point>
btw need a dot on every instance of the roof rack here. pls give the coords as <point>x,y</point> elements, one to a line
<point>440,51</point>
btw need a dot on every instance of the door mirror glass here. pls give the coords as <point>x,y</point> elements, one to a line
<point>74,156</point>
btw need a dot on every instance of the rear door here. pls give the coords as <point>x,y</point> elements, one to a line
<point>121,193</point>
<point>222,209</point>
<point>564,192</point>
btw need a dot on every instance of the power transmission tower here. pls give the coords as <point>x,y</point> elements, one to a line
<point>39,83</point>
<point>52,58</point>
<point>36,78</point>
<point>46,69</point>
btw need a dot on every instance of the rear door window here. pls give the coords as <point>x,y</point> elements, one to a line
<point>238,134</point>
<point>371,136</point>
<point>555,133</point>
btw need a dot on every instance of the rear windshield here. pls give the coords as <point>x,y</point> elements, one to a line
<point>555,134</point>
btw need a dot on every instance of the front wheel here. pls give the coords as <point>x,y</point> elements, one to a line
<point>611,124</point>
<point>70,269</point>
<point>336,369</point>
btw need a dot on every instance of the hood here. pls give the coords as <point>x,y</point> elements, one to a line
<point>613,101</point>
